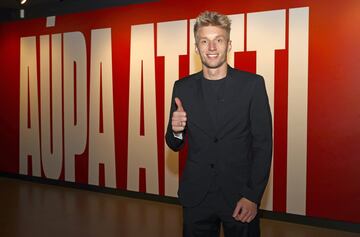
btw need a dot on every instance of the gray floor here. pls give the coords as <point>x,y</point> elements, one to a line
<point>32,209</point>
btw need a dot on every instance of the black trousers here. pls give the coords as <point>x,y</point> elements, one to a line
<point>205,219</point>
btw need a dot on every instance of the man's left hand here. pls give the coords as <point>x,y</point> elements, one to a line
<point>245,210</point>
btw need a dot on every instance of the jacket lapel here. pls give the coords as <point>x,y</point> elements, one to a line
<point>228,109</point>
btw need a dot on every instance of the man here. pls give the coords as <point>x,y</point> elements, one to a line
<point>224,113</point>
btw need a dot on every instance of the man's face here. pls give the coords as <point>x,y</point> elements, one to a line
<point>212,44</point>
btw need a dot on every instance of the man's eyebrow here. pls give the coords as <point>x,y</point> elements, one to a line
<point>219,36</point>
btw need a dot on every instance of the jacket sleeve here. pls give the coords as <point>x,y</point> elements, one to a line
<point>174,143</point>
<point>261,132</point>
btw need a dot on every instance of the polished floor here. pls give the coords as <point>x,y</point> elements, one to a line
<point>32,209</point>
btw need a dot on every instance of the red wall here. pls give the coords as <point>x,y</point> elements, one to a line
<point>333,132</point>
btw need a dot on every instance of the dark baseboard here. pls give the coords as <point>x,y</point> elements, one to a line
<point>279,216</point>
<point>311,221</point>
<point>94,188</point>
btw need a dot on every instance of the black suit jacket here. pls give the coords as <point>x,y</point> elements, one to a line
<point>238,153</point>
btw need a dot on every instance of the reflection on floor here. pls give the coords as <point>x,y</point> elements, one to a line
<point>32,209</point>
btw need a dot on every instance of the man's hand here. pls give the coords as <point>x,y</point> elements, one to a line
<point>245,210</point>
<point>178,117</point>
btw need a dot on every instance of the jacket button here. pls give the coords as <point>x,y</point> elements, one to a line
<point>212,165</point>
<point>216,139</point>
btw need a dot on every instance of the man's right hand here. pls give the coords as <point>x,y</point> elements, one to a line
<point>178,117</point>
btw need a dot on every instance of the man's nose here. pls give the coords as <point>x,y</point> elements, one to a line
<point>212,46</point>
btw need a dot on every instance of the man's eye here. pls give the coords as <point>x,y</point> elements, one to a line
<point>220,40</point>
<point>203,41</point>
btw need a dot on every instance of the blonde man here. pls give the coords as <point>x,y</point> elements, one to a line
<point>225,116</point>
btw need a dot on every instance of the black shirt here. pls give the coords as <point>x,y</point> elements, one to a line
<point>213,91</point>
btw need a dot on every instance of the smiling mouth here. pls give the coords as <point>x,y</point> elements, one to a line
<point>212,55</point>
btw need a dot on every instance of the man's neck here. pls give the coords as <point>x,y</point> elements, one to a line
<point>215,73</point>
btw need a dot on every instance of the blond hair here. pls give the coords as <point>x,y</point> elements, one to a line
<point>208,18</point>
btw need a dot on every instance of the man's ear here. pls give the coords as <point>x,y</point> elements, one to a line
<point>229,46</point>
<point>196,49</point>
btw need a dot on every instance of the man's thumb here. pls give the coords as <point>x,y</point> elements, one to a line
<point>179,104</point>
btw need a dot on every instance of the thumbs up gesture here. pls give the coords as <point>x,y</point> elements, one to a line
<point>178,117</point>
